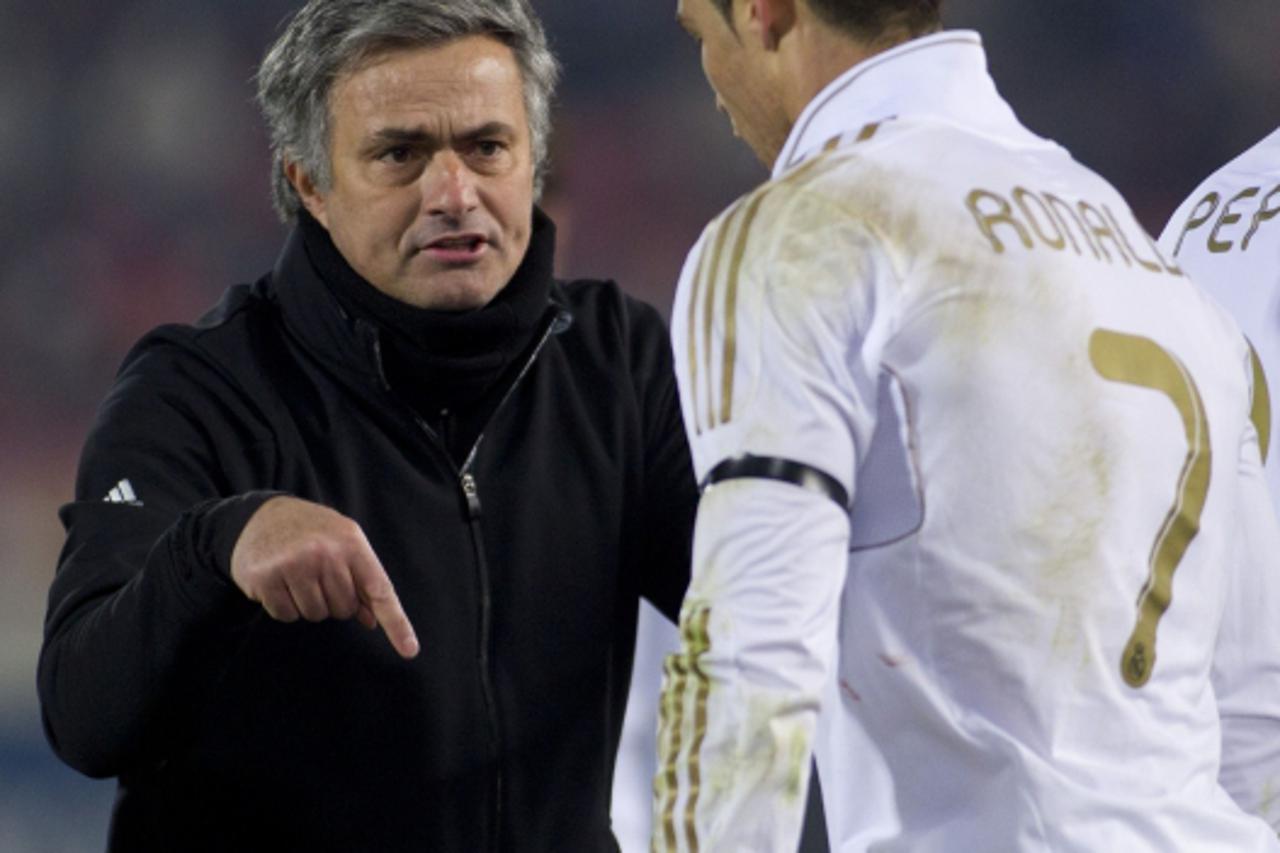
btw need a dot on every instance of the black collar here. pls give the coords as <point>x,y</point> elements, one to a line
<point>435,359</point>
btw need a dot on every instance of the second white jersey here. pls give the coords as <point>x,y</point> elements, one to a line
<point>1046,433</point>
<point>1227,236</point>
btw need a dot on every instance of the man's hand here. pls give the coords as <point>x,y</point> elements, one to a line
<point>300,559</point>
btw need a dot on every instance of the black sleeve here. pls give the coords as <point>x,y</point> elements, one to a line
<point>142,614</point>
<point>670,491</point>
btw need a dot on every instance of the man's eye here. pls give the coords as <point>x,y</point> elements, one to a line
<point>489,148</point>
<point>398,154</point>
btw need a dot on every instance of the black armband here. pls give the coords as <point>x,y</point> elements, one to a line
<point>782,470</point>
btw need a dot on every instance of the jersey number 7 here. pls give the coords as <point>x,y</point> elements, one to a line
<point>1135,360</point>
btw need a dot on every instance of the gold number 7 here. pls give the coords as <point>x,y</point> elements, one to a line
<point>1135,360</point>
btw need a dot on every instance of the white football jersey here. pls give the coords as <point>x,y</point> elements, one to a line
<point>1044,431</point>
<point>1227,236</point>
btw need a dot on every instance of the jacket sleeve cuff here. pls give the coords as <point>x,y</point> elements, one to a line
<point>202,543</point>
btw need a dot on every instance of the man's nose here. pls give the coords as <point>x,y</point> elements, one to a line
<point>449,187</point>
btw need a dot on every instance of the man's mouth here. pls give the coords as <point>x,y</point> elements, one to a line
<point>457,248</point>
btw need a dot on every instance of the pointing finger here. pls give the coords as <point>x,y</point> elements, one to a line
<point>379,596</point>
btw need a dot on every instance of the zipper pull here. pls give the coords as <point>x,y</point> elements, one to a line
<point>373,341</point>
<point>472,495</point>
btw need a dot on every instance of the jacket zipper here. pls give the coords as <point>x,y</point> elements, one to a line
<point>471,496</point>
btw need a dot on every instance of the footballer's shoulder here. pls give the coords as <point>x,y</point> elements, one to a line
<point>821,179</point>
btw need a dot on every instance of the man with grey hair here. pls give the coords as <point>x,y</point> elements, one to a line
<point>408,423</point>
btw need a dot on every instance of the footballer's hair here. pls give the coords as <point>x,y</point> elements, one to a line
<point>329,38</point>
<point>871,20</point>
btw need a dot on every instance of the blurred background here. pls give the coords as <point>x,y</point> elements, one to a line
<point>133,190</point>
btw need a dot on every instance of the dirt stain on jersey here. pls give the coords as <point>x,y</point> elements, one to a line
<point>1268,800</point>
<point>1005,336</point>
<point>777,747</point>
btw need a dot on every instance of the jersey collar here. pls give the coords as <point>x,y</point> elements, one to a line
<point>943,76</point>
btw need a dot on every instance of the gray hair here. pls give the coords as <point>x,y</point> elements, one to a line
<point>327,38</point>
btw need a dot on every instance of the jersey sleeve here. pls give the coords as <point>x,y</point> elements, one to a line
<point>1246,666</point>
<point>779,315</point>
<point>778,324</point>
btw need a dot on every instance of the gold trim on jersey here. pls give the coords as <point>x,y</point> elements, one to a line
<point>670,727</point>
<point>1135,360</point>
<point>731,314</point>
<point>704,294</point>
<point>696,641</point>
<point>699,644</point>
<point>694,285</point>
<point>869,130</point>
<point>708,265</point>
<point>1260,413</point>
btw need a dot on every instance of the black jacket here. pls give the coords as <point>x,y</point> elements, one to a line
<point>521,574</point>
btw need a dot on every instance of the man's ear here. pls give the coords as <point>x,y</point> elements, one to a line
<point>306,189</point>
<point>770,20</point>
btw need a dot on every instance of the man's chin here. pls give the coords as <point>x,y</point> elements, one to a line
<point>452,290</point>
